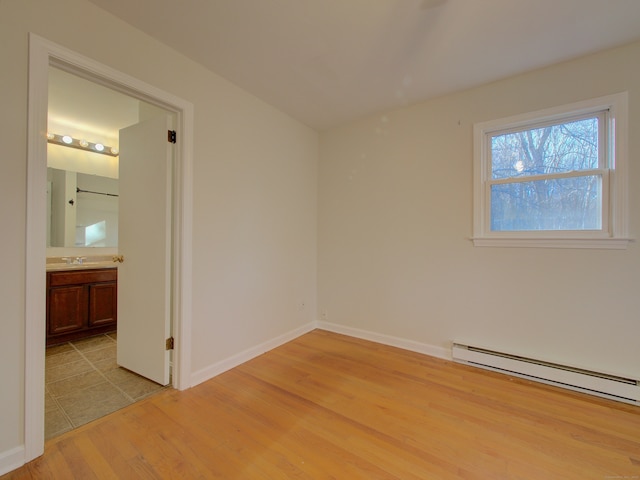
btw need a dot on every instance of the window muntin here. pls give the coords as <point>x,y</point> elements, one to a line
<point>553,178</point>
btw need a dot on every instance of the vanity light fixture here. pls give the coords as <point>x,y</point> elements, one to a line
<point>67,141</point>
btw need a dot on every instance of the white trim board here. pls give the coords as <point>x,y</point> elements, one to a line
<point>222,366</point>
<point>43,53</point>
<point>411,345</point>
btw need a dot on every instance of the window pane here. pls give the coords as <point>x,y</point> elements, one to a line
<point>561,204</point>
<point>565,147</point>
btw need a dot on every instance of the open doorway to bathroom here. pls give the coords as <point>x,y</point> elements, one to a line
<point>43,54</point>
<point>83,380</point>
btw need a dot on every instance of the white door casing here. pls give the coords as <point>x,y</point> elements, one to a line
<point>43,53</point>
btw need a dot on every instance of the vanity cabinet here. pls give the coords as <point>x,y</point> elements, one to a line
<point>81,303</point>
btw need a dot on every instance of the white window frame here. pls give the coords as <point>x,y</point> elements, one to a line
<point>614,232</point>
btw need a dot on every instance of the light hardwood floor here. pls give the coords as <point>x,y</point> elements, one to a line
<point>328,406</point>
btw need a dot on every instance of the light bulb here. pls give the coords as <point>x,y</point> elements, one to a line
<point>50,136</point>
<point>99,147</point>
<point>114,150</point>
<point>67,139</point>
<point>83,143</point>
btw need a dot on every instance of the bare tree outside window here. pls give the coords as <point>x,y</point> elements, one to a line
<point>547,178</point>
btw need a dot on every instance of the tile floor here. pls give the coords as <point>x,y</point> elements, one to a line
<point>83,383</point>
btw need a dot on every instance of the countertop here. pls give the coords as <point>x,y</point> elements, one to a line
<point>88,262</point>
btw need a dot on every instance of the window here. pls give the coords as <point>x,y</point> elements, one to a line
<point>554,178</point>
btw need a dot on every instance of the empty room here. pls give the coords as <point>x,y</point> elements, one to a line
<point>392,239</point>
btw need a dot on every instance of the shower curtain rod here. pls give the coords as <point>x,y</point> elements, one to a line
<point>79,190</point>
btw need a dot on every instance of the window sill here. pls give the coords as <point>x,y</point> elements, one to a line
<point>522,242</point>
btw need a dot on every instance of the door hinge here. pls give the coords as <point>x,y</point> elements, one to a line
<point>171,136</point>
<point>169,343</point>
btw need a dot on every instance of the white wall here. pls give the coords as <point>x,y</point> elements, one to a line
<point>395,218</point>
<point>255,185</point>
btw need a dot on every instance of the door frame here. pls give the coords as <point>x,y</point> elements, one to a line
<point>42,54</point>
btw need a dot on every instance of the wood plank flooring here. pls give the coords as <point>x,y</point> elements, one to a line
<point>327,406</point>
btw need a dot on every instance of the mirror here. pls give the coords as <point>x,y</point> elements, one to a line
<point>82,209</point>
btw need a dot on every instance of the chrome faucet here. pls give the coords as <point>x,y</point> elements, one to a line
<point>79,260</point>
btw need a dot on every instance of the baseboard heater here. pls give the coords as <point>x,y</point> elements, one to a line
<point>608,386</point>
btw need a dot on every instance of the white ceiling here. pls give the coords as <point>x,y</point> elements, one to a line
<point>325,62</point>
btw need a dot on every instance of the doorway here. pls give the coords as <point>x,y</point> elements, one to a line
<point>83,379</point>
<point>42,55</point>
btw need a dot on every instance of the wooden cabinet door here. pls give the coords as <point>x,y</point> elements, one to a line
<point>103,304</point>
<point>68,309</point>
<point>81,303</point>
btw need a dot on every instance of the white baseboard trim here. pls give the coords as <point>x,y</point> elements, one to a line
<point>11,459</point>
<point>431,350</point>
<point>211,371</point>
<point>222,366</point>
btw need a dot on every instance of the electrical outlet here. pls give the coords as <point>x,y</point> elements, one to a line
<point>324,315</point>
